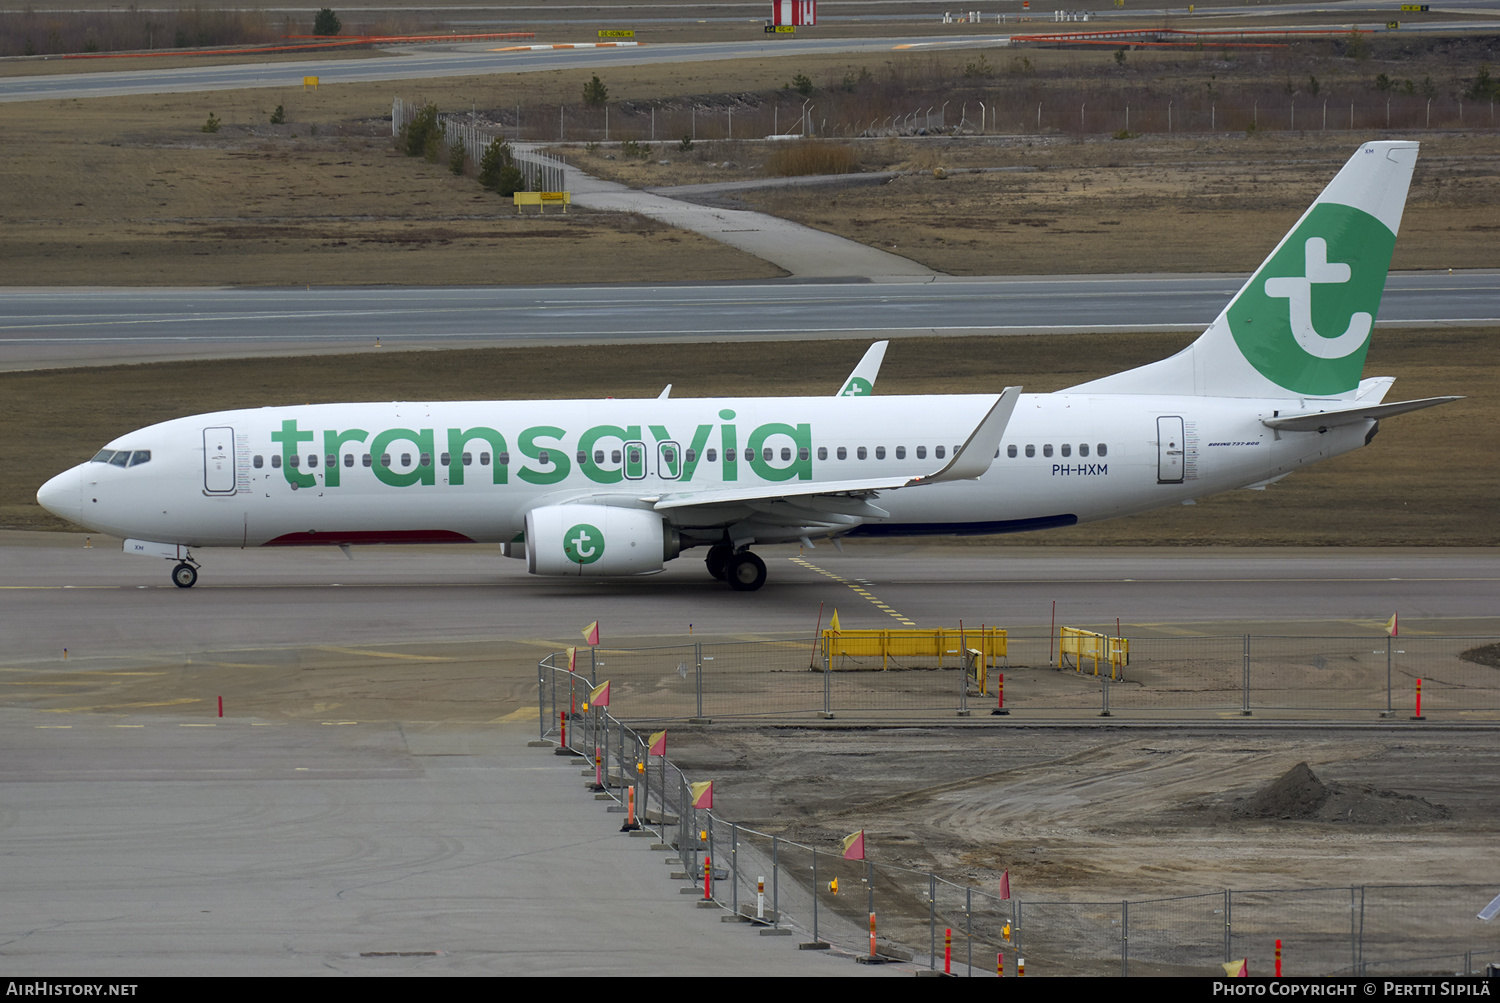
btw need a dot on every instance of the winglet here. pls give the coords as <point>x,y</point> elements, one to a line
<point>861,382</point>
<point>974,457</point>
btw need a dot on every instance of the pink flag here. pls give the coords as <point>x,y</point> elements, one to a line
<point>658,746</point>
<point>599,695</point>
<point>703,794</point>
<point>1391,625</point>
<point>572,659</point>
<point>591,633</point>
<point>1005,884</point>
<point>854,846</point>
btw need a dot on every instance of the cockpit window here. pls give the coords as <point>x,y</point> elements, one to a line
<point>103,456</point>
<point>140,456</point>
<point>120,459</point>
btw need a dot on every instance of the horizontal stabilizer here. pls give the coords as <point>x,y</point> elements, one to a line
<point>1321,421</point>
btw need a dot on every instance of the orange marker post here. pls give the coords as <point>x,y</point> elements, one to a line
<point>562,720</point>
<point>1278,957</point>
<point>947,950</point>
<point>221,706</point>
<point>708,876</point>
<point>1020,967</point>
<point>1418,715</point>
<point>872,935</point>
<point>1000,965</point>
<point>999,696</point>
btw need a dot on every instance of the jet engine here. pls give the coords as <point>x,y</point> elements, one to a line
<point>597,541</point>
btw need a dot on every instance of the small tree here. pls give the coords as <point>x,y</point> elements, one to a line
<point>803,85</point>
<point>457,155</point>
<point>498,171</point>
<point>420,136</point>
<point>595,93</point>
<point>327,23</point>
<point>278,116</point>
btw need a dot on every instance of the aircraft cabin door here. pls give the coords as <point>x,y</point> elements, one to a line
<point>218,461</point>
<point>1169,450</point>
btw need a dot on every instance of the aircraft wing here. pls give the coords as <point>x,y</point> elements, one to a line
<point>969,461</point>
<point>861,382</point>
<point>1321,421</point>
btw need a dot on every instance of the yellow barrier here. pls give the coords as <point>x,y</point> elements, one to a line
<point>989,642</point>
<point>1085,644</point>
<point>542,199</point>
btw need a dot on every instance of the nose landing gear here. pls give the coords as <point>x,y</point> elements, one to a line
<point>185,573</point>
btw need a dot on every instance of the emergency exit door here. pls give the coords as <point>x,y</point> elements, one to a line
<point>218,461</point>
<point>1169,450</point>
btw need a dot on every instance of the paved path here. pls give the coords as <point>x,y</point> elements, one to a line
<point>804,252</point>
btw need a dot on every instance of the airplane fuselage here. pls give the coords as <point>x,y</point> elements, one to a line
<point>435,472</point>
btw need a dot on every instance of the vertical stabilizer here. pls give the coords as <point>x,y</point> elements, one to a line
<point>1300,327</point>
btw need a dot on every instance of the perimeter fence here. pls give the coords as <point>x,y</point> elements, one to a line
<point>1354,678</point>
<point>782,884</point>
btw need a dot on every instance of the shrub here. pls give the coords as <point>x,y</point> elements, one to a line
<point>327,23</point>
<point>686,144</point>
<point>421,136</point>
<point>595,94</point>
<point>212,125</point>
<point>803,85</point>
<point>812,157</point>
<point>498,171</point>
<point>640,151</point>
<point>458,156</point>
<point>278,116</point>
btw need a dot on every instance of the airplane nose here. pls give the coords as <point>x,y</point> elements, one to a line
<point>63,495</point>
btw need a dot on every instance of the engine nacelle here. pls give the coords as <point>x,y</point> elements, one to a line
<point>597,541</point>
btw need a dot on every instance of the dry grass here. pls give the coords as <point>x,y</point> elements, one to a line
<point>811,157</point>
<point>1399,491</point>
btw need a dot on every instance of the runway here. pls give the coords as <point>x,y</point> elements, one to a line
<point>41,328</point>
<point>102,603</point>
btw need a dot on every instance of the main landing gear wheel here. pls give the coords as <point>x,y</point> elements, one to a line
<point>719,556</point>
<point>746,572</point>
<point>184,576</point>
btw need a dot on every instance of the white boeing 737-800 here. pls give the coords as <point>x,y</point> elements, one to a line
<point>620,487</point>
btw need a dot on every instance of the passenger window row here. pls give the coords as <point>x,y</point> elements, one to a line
<point>1066,449</point>
<point>424,460</point>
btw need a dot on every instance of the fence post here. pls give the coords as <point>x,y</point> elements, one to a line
<point>1104,688</point>
<point>734,865</point>
<point>1353,935</point>
<point>932,921</point>
<point>815,894</point>
<point>969,927</point>
<point>698,674</point>
<point>827,671</point>
<point>1245,685</point>
<point>776,882</point>
<point>1388,709</point>
<point>1124,938</point>
<point>1228,945</point>
<point>541,702</point>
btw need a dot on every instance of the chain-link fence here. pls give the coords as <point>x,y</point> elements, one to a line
<point>898,912</point>
<point>1340,677</point>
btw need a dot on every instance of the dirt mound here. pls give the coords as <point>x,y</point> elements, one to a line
<point>1488,654</point>
<point>1299,795</point>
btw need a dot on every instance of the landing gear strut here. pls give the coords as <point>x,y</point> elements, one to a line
<point>185,574</point>
<point>746,572</point>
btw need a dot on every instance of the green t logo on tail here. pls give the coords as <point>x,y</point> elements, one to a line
<point>583,544</point>
<point>857,386</point>
<point>1304,321</point>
